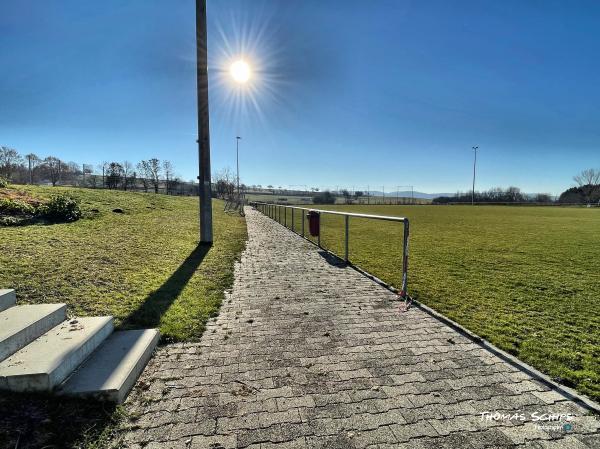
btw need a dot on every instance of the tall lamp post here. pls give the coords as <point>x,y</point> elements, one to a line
<point>475,148</point>
<point>206,227</point>
<point>237,162</point>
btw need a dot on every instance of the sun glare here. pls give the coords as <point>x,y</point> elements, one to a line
<point>240,71</point>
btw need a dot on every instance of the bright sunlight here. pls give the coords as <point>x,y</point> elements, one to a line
<point>240,71</point>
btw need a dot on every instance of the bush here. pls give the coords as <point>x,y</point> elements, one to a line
<point>16,207</point>
<point>61,208</point>
<point>3,182</point>
<point>11,221</point>
<point>324,198</point>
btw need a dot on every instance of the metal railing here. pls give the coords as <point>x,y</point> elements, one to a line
<point>278,212</point>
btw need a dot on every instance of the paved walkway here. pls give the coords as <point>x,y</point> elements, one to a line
<point>306,354</point>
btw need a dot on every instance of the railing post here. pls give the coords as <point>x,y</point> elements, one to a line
<point>405,241</point>
<point>274,211</point>
<point>347,236</point>
<point>319,233</point>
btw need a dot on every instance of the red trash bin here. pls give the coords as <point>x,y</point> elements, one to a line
<point>313,222</point>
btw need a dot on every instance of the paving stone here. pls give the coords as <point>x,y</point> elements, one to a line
<point>214,442</point>
<point>318,356</point>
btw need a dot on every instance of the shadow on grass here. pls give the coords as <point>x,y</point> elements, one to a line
<point>36,421</point>
<point>149,313</point>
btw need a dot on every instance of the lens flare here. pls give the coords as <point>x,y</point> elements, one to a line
<point>247,71</point>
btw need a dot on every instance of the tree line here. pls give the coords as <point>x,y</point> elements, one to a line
<point>495,195</point>
<point>587,191</point>
<point>147,175</point>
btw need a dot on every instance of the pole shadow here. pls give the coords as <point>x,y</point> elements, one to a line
<point>332,259</point>
<point>149,313</point>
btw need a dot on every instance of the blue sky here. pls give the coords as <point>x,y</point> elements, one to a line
<point>347,93</point>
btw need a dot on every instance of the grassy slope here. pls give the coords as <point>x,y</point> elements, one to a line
<point>142,266</point>
<point>526,278</point>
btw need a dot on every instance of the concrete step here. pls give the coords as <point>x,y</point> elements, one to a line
<point>20,325</point>
<point>112,370</point>
<point>48,360</point>
<point>7,298</point>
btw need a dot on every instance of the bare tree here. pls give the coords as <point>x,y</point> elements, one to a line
<point>9,160</point>
<point>32,161</point>
<point>154,166</point>
<point>52,168</point>
<point>144,170</point>
<point>224,184</point>
<point>127,174</point>
<point>71,173</point>
<point>589,182</point>
<point>169,174</point>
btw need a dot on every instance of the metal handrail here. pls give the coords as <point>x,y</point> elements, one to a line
<point>273,211</point>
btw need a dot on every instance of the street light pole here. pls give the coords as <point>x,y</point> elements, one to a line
<point>475,148</point>
<point>204,191</point>
<point>237,162</point>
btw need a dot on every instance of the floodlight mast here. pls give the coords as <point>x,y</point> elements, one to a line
<point>204,184</point>
<point>237,162</point>
<point>475,148</point>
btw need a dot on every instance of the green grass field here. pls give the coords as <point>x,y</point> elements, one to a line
<point>142,266</point>
<point>526,278</point>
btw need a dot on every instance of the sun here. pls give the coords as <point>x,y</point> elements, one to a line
<point>240,71</point>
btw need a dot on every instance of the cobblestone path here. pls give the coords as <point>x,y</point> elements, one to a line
<point>307,354</point>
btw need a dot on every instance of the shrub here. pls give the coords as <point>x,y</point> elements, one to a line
<point>11,221</point>
<point>15,207</point>
<point>61,208</point>
<point>3,182</point>
<point>324,198</point>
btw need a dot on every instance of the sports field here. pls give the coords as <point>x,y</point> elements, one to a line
<point>525,278</point>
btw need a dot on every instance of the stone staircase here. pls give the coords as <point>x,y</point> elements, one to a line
<point>42,351</point>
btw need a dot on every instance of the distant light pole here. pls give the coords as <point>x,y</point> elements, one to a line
<point>237,162</point>
<point>475,148</point>
<point>29,158</point>
<point>204,185</point>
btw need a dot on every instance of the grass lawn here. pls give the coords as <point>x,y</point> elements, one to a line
<point>143,266</point>
<point>525,278</point>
